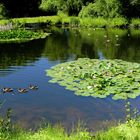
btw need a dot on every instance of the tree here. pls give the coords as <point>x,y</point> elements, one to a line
<point>102,8</point>
<point>74,6</point>
<point>50,6</point>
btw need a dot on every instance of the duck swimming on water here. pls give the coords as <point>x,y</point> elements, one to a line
<point>22,90</point>
<point>7,89</point>
<point>33,87</point>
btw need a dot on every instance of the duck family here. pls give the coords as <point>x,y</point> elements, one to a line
<point>20,90</point>
<point>33,87</point>
<point>7,89</point>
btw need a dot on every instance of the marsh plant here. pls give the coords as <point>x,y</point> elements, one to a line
<point>98,78</point>
<point>20,35</point>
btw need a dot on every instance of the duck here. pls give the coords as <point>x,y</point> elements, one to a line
<point>22,90</point>
<point>7,89</point>
<point>33,87</point>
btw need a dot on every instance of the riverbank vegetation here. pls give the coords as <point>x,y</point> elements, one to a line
<point>73,21</point>
<point>129,130</point>
<point>20,35</point>
<point>75,13</point>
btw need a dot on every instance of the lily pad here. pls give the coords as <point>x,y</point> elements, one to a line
<point>98,78</point>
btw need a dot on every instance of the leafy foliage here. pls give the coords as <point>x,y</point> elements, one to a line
<point>99,78</point>
<point>50,6</point>
<point>20,34</point>
<point>103,8</point>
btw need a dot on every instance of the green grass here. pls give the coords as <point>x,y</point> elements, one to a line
<point>48,133</point>
<point>127,131</point>
<point>93,22</point>
<point>135,23</point>
<point>75,21</point>
<point>70,21</point>
<point>51,20</point>
<point>117,22</point>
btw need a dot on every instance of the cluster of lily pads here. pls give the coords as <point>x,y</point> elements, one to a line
<point>20,35</point>
<point>98,78</point>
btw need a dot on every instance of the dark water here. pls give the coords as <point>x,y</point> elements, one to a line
<point>22,64</point>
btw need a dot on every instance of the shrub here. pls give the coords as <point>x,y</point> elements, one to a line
<point>104,8</point>
<point>49,6</point>
<point>93,22</point>
<point>74,21</point>
<point>117,22</point>
<point>135,22</point>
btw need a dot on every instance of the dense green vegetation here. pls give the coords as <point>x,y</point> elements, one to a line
<point>98,78</point>
<point>126,131</point>
<point>106,9</point>
<point>20,35</point>
<point>123,81</point>
<point>72,21</point>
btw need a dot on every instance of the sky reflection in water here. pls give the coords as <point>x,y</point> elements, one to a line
<point>22,64</point>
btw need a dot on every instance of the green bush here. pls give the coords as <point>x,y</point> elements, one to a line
<point>93,22</point>
<point>135,22</point>
<point>74,21</point>
<point>74,7</point>
<point>117,22</point>
<point>50,6</point>
<point>102,8</point>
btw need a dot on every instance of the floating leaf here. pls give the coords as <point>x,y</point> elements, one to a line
<point>98,78</point>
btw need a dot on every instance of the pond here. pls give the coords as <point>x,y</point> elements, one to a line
<point>26,63</point>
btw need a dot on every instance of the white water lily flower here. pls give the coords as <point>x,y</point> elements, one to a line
<point>89,87</point>
<point>94,77</point>
<point>68,67</point>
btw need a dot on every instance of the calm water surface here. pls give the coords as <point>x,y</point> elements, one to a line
<point>22,64</point>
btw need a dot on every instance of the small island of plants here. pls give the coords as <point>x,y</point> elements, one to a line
<point>20,35</point>
<point>98,78</point>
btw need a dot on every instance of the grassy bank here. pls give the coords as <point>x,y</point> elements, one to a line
<point>128,131</point>
<point>48,133</point>
<point>135,23</point>
<point>74,21</point>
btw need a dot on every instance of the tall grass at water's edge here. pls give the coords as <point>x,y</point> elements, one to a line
<point>75,21</point>
<point>127,131</point>
<point>135,23</point>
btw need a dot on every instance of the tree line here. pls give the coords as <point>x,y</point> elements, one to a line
<point>82,8</point>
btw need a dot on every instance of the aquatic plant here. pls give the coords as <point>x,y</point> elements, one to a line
<point>98,78</point>
<point>20,35</point>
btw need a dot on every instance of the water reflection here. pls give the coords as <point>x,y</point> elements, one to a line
<point>19,55</point>
<point>26,63</point>
<point>109,44</point>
